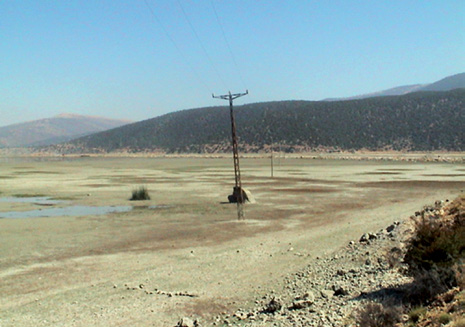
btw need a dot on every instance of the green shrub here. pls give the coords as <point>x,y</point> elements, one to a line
<point>140,193</point>
<point>377,315</point>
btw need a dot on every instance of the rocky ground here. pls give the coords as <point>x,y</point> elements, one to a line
<point>331,291</point>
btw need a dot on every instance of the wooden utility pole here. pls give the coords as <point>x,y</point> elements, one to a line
<point>237,195</point>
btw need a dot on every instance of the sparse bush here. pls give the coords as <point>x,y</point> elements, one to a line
<point>140,193</point>
<point>438,241</point>
<point>429,283</point>
<point>377,315</point>
<point>444,318</point>
<point>434,244</point>
<point>415,314</point>
<point>435,252</point>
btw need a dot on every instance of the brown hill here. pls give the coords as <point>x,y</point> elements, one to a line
<point>57,129</point>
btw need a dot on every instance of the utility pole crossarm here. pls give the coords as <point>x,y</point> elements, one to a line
<point>230,96</point>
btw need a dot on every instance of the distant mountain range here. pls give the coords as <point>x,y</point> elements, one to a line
<point>53,130</point>
<point>445,84</point>
<point>419,121</point>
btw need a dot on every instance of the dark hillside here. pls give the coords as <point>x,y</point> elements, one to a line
<point>420,121</point>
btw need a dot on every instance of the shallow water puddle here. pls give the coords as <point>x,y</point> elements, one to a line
<point>41,200</point>
<point>77,210</point>
<point>66,211</point>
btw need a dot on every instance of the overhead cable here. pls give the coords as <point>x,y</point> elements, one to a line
<point>227,43</point>
<point>201,44</point>
<point>186,62</point>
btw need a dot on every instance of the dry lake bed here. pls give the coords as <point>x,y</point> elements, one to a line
<point>74,251</point>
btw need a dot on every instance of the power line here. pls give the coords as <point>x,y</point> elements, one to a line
<point>227,43</point>
<point>186,62</point>
<point>201,44</point>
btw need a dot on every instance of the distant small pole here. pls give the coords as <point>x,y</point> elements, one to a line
<point>272,166</point>
<point>237,192</point>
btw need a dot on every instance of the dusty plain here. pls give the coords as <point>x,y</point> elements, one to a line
<point>190,256</point>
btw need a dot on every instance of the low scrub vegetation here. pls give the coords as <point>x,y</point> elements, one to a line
<point>435,258</point>
<point>437,243</point>
<point>377,315</point>
<point>436,251</point>
<point>139,194</point>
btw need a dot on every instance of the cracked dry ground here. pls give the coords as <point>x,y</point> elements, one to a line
<point>191,256</point>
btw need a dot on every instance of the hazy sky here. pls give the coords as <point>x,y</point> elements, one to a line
<point>139,59</point>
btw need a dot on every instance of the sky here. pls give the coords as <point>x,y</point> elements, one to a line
<point>140,59</point>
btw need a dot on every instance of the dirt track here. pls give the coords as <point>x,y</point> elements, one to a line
<point>101,270</point>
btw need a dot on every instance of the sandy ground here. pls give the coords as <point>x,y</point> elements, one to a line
<point>136,268</point>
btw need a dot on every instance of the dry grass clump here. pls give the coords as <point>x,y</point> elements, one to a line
<point>377,315</point>
<point>416,313</point>
<point>140,194</point>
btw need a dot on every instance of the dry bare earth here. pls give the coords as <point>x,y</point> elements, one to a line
<point>149,267</point>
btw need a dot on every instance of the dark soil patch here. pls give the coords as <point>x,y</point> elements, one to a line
<point>281,181</point>
<point>304,190</point>
<point>444,175</point>
<point>410,184</point>
<point>44,172</point>
<point>145,180</point>
<point>205,307</point>
<point>381,173</point>
<point>398,169</point>
<point>101,185</point>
